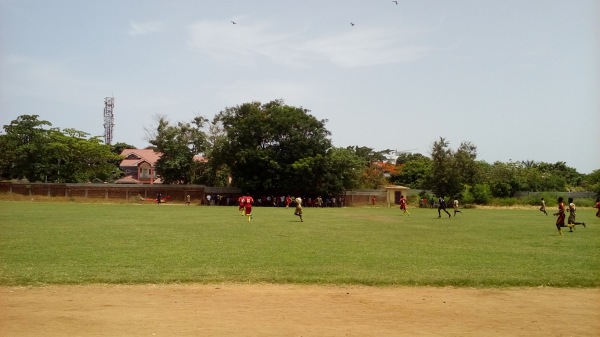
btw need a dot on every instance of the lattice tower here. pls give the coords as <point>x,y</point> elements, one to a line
<point>109,119</point>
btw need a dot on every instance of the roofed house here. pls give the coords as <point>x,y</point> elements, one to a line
<point>139,166</point>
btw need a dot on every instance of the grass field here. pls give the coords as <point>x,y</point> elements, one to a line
<point>80,243</point>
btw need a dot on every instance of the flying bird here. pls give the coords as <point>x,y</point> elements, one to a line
<point>396,2</point>
<point>233,22</point>
<point>351,23</point>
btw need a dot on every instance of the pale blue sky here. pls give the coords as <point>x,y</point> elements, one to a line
<point>518,78</point>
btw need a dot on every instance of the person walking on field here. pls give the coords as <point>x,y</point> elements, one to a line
<point>598,207</point>
<point>543,207</point>
<point>403,202</point>
<point>455,204</point>
<point>560,221</point>
<point>572,213</point>
<point>298,211</point>
<point>442,207</point>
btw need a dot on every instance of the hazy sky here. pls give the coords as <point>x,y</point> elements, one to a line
<point>518,78</point>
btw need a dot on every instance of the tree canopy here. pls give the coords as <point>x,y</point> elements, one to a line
<point>29,150</point>
<point>178,145</point>
<point>274,148</point>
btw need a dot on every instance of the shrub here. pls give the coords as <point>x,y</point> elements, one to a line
<point>505,201</point>
<point>481,193</point>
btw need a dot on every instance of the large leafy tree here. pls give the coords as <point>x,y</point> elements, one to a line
<point>120,146</point>
<point>376,166</point>
<point>211,171</point>
<point>264,141</point>
<point>570,175</point>
<point>414,169</point>
<point>339,170</point>
<point>22,147</point>
<point>592,182</point>
<point>29,150</point>
<point>178,145</point>
<point>451,170</point>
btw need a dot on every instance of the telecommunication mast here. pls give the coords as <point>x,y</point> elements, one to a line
<point>109,119</point>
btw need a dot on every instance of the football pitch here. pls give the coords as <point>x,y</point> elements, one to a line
<point>93,243</point>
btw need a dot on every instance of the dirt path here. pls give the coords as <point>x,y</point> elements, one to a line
<point>289,310</point>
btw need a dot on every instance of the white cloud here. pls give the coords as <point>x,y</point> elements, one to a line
<point>245,43</point>
<point>143,28</point>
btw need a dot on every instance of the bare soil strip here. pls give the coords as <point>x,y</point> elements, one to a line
<point>295,310</point>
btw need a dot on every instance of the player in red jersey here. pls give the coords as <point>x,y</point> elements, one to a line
<point>560,221</point>
<point>248,210</point>
<point>403,204</point>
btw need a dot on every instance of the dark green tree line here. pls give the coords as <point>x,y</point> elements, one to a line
<point>274,148</point>
<point>31,151</point>
<point>277,148</point>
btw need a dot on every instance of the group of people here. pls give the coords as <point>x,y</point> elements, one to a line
<point>245,202</point>
<point>441,204</point>
<point>245,206</point>
<point>560,220</point>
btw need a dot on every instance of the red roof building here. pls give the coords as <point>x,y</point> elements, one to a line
<point>139,166</point>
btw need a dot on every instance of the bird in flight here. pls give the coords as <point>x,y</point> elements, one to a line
<point>351,23</point>
<point>396,2</point>
<point>233,22</point>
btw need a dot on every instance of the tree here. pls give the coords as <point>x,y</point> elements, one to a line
<point>443,180</point>
<point>592,182</point>
<point>120,146</point>
<point>452,171</point>
<point>178,145</point>
<point>377,168</point>
<point>213,171</point>
<point>570,175</point>
<point>264,141</point>
<point>504,179</point>
<point>51,155</point>
<point>464,165</point>
<point>414,170</point>
<point>330,175</point>
<point>22,147</point>
<point>344,171</point>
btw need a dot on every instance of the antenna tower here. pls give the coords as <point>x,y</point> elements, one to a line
<point>109,119</point>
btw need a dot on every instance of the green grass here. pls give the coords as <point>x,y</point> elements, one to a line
<point>79,243</point>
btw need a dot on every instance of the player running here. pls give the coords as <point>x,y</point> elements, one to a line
<point>543,207</point>
<point>572,213</point>
<point>242,203</point>
<point>442,207</point>
<point>403,203</point>
<point>455,204</point>
<point>298,211</point>
<point>248,210</point>
<point>560,221</point>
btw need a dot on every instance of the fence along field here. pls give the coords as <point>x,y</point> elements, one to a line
<point>86,243</point>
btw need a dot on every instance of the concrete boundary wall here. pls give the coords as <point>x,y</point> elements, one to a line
<point>105,191</point>
<point>175,193</point>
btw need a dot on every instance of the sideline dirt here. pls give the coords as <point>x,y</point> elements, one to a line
<point>292,310</point>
